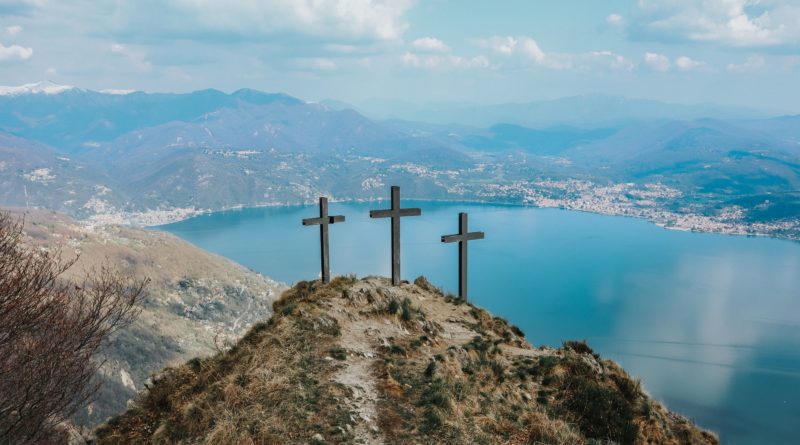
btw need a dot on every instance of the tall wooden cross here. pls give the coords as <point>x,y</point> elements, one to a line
<point>323,222</point>
<point>462,238</point>
<point>395,213</point>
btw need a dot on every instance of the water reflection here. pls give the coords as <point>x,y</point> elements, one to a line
<point>711,323</point>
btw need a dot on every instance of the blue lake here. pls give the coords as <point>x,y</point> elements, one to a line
<point>710,323</point>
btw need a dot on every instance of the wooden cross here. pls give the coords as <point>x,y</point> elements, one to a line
<point>395,213</point>
<point>323,222</point>
<point>462,238</point>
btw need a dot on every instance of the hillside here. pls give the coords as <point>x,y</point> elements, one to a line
<point>148,159</point>
<point>358,361</point>
<point>196,301</point>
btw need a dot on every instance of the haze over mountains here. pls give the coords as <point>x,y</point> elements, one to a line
<point>590,110</point>
<point>119,153</point>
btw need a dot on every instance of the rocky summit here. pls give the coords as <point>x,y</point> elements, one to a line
<point>362,362</point>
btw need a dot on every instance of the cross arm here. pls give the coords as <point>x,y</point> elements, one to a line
<point>380,213</point>
<point>336,218</point>
<point>411,212</point>
<point>314,221</point>
<point>458,238</point>
<point>452,238</point>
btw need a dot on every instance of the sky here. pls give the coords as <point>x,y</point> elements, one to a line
<point>732,52</point>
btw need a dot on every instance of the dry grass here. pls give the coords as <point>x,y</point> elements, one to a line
<point>274,386</point>
<point>440,371</point>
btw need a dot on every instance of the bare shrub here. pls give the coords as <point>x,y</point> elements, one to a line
<point>51,331</point>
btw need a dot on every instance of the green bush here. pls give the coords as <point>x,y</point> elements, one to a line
<point>599,411</point>
<point>338,353</point>
<point>581,347</point>
<point>432,420</point>
<point>393,307</point>
<point>430,369</point>
<point>195,364</point>
<point>406,310</point>
<point>629,388</point>
<point>241,380</point>
<point>438,395</point>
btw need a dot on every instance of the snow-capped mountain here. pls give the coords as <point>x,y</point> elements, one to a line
<point>44,87</point>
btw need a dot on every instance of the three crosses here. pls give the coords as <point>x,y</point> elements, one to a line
<point>395,213</point>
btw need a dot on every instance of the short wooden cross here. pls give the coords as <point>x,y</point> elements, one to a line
<point>395,213</point>
<point>323,222</point>
<point>462,238</point>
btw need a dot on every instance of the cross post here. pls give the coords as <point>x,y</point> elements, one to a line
<point>395,213</point>
<point>462,238</point>
<point>323,222</point>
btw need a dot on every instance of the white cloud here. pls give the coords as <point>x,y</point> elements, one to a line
<point>531,49</point>
<point>317,64</point>
<point>753,63</point>
<point>117,91</point>
<point>612,60</point>
<point>658,62</point>
<point>430,44</point>
<point>277,32</point>
<point>480,62</point>
<point>614,19</point>
<point>736,23</point>
<point>499,44</point>
<point>523,46</point>
<point>686,63</point>
<point>443,61</point>
<point>13,30</point>
<point>525,50</point>
<point>340,48</point>
<point>135,56</point>
<point>15,52</point>
<point>372,20</point>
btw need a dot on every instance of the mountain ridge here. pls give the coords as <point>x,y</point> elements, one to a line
<point>360,361</point>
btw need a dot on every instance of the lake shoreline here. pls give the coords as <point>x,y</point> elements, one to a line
<point>665,220</point>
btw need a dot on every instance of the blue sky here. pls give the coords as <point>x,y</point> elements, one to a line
<point>740,52</point>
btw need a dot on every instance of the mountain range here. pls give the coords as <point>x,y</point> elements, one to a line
<point>586,111</point>
<point>152,157</point>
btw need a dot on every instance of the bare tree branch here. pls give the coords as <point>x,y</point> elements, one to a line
<point>51,332</point>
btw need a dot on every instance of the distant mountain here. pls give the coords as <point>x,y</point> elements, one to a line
<point>151,157</point>
<point>338,104</point>
<point>35,174</point>
<point>202,150</point>
<point>710,156</point>
<point>363,362</point>
<point>45,87</point>
<point>550,141</point>
<point>586,111</point>
<point>74,120</point>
